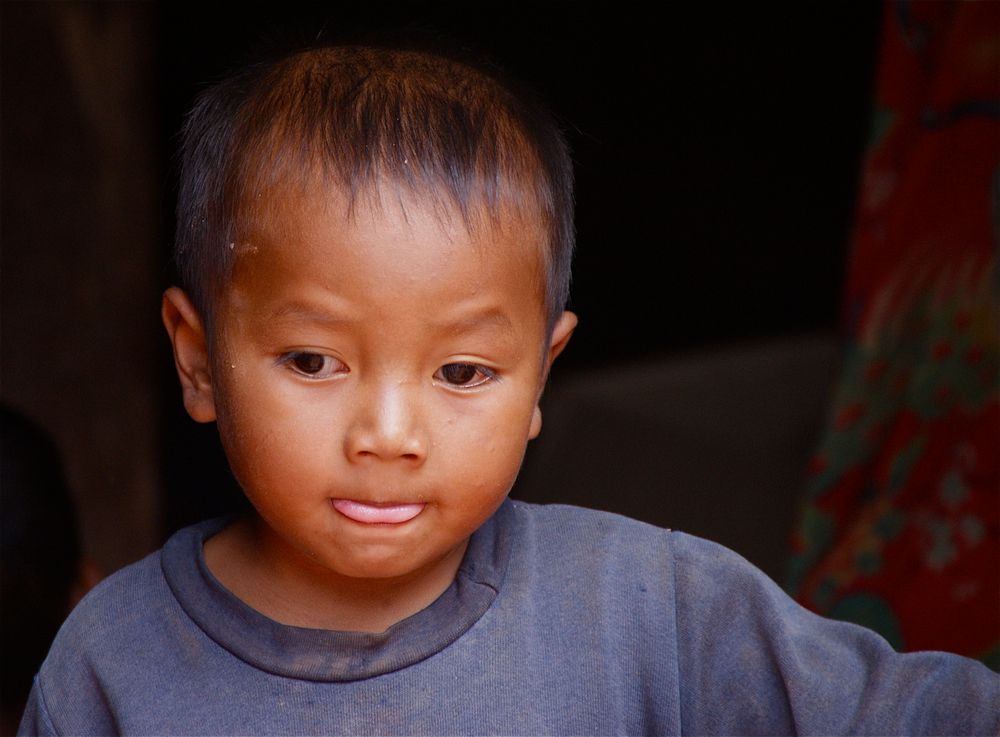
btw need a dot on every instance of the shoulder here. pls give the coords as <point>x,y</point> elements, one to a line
<point>706,586</point>
<point>117,602</point>
<point>575,553</point>
<point>110,641</point>
<point>92,645</point>
<point>566,523</point>
<point>560,529</point>
<point>134,600</point>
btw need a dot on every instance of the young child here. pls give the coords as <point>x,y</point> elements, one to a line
<point>375,246</point>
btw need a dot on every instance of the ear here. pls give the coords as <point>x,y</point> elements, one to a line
<point>187,334</point>
<point>561,334</point>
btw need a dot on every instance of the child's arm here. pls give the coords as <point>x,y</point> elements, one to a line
<point>750,655</point>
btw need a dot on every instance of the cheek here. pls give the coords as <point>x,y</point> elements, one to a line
<point>491,432</point>
<point>488,454</point>
<point>260,437</point>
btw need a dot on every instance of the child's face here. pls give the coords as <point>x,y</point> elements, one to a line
<point>376,380</point>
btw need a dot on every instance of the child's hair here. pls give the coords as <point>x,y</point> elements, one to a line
<point>359,117</point>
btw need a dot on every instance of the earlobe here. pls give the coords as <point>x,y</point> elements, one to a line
<point>536,423</point>
<point>561,334</point>
<point>187,335</point>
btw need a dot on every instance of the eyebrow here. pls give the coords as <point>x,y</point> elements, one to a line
<point>307,313</point>
<point>490,317</point>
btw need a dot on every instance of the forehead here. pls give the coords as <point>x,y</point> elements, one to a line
<point>396,219</point>
<point>387,241</point>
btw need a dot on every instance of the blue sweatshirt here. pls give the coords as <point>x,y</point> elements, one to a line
<point>560,621</point>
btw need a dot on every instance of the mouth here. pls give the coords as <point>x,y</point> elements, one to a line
<point>377,514</point>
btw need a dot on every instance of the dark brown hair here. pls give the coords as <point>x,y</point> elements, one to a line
<point>358,116</point>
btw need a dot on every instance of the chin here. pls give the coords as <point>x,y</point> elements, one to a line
<point>376,565</point>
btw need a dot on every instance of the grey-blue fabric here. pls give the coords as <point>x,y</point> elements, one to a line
<point>560,621</point>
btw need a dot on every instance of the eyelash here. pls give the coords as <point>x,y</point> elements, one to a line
<point>292,359</point>
<point>487,376</point>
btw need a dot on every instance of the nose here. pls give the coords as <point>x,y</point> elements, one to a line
<point>388,425</point>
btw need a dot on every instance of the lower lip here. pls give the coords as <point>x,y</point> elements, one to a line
<point>377,514</point>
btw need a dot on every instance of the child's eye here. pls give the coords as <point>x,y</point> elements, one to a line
<point>312,365</point>
<point>465,375</point>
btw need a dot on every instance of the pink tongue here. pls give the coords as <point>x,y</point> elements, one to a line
<point>371,514</point>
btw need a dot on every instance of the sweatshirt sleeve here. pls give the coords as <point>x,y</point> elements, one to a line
<point>752,661</point>
<point>36,719</point>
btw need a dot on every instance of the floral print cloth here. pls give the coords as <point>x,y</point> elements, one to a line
<point>900,530</point>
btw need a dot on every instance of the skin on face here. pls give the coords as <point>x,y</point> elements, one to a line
<point>375,380</point>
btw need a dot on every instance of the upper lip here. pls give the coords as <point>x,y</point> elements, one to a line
<point>372,503</point>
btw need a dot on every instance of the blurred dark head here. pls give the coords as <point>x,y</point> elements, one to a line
<point>39,553</point>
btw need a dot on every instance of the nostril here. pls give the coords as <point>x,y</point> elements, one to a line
<point>386,436</point>
<point>368,452</point>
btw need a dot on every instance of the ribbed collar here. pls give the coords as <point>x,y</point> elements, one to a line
<point>326,655</point>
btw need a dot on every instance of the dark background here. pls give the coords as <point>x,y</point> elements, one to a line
<point>717,148</point>
<point>716,152</point>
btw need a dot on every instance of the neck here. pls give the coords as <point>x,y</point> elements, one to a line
<point>296,591</point>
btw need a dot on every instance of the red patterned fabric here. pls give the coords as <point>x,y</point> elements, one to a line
<point>901,526</point>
